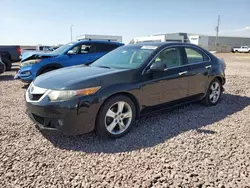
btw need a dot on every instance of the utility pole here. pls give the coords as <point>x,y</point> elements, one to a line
<point>217,28</point>
<point>71,32</point>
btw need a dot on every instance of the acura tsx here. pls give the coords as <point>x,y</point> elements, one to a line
<point>109,95</point>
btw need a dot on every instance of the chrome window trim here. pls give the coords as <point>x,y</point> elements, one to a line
<point>178,45</point>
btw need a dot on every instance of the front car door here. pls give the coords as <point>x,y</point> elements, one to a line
<point>199,66</point>
<point>81,55</point>
<point>168,86</point>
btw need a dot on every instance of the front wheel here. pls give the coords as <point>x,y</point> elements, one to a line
<point>116,117</point>
<point>214,93</point>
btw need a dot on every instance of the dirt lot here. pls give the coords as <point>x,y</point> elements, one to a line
<point>193,146</point>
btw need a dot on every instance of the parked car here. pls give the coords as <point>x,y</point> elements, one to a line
<point>9,55</point>
<point>76,53</point>
<point>2,66</point>
<point>40,49</point>
<point>131,81</point>
<point>242,49</point>
<point>37,49</point>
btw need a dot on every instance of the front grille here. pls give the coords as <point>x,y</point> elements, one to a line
<point>35,93</point>
<point>38,119</point>
<point>35,97</point>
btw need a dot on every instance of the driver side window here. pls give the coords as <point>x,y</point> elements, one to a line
<point>82,49</point>
<point>75,49</point>
<point>170,56</point>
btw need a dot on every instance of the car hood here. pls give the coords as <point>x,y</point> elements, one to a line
<point>31,55</point>
<point>76,77</point>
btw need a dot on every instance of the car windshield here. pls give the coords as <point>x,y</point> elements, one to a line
<point>62,49</point>
<point>126,57</point>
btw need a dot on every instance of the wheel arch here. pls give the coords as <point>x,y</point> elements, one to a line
<point>51,65</point>
<point>221,79</point>
<point>127,94</point>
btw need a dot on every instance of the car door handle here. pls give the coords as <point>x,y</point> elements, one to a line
<point>182,73</point>
<point>208,67</point>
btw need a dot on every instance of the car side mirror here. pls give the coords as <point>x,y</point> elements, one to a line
<point>158,66</point>
<point>71,52</point>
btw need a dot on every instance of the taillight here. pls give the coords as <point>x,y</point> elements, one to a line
<point>19,50</point>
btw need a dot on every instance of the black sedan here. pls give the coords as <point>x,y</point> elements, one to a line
<point>133,80</point>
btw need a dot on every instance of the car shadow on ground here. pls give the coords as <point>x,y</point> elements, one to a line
<point>153,130</point>
<point>6,77</point>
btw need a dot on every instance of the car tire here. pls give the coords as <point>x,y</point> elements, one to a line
<point>7,62</point>
<point>213,94</point>
<point>116,116</point>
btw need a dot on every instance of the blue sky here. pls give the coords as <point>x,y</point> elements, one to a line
<point>32,22</point>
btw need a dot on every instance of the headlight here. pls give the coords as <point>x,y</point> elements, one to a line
<point>30,62</point>
<point>67,94</point>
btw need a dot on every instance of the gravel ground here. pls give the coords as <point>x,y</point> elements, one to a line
<point>192,146</point>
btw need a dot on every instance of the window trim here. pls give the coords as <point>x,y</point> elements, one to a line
<point>182,46</point>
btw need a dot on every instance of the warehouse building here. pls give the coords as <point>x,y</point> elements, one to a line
<point>225,43</point>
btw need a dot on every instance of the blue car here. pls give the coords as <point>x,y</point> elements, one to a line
<point>75,53</point>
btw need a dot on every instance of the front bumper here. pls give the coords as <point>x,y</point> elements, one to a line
<point>73,117</point>
<point>25,74</point>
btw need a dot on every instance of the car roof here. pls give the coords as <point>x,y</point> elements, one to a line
<point>99,41</point>
<point>160,44</point>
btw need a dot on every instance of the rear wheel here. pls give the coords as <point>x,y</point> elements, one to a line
<point>116,117</point>
<point>7,62</point>
<point>214,93</point>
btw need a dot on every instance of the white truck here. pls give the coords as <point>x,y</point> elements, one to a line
<point>156,38</point>
<point>152,38</point>
<point>242,49</point>
<point>112,38</point>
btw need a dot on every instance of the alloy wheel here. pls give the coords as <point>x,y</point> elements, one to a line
<point>118,118</point>
<point>215,91</point>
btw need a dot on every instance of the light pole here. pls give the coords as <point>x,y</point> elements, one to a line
<point>71,32</point>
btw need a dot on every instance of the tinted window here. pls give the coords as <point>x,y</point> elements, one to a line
<point>85,48</point>
<point>195,56</point>
<point>171,57</point>
<point>102,47</point>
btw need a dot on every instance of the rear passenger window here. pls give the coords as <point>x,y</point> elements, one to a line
<point>101,47</point>
<point>195,56</point>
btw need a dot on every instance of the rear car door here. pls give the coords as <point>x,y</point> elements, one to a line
<point>170,85</point>
<point>199,66</point>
